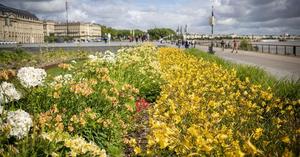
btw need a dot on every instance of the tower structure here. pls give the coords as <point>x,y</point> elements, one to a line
<point>67,17</point>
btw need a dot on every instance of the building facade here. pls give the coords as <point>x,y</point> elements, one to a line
<point>48,27</point>
<point>78,31</point>
<point>20,26</point>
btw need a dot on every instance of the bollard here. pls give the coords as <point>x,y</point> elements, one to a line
<point>294,50</point>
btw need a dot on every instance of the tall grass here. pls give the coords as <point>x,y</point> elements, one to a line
<point>282,88</point>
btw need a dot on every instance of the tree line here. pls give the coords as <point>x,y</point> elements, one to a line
<point>121,34</point>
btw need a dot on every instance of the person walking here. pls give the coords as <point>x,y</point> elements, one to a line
<point>178,43</point>
<point>194,43</point>
<point>234,48</point>
<point>222,45</point>
<point>186,45</point>
<point>108,37</point>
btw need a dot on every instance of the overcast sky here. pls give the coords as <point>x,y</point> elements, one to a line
<point>233,16</point>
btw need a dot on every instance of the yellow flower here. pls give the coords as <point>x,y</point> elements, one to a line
<point>56,95</point>
<point>254,150</point>
<point>70,128</point>
<point>65,66</point>
<point>258,133</point>
<point>286,139</point>
<point>137,150</point>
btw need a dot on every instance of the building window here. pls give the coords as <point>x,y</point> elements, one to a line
<point>7,21</point>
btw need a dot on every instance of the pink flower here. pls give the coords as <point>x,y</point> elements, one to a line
<point>141,104</point>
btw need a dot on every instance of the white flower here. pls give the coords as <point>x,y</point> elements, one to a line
<point>58,78</point>
<point>93,58</point>
<point>73,61</point>
<point>68,77</point>
<point>108,56</point>
<point>63,78</point>
<point>31,77</point>
<point>20,122</point>
<point>1,110</point>
<point>8,93</point>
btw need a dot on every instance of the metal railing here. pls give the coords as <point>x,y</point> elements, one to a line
<point>280,49</point>
<point>277,49</point>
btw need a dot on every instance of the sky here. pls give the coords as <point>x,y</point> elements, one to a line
<point>233,16</point>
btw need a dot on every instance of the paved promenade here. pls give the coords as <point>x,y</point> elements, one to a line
<point>280,66</point>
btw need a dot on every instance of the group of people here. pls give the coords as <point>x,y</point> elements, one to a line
<point>107,38</point>
<point>234,46</point>
<point>192,43</point>
<point>139,38</point>
<point>186,44</point>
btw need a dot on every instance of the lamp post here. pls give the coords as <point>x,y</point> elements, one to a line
<point>67,18</point>
<point>212,22</point>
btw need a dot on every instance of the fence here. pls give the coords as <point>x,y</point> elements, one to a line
<point>277,49</point>
<point>280,49</point>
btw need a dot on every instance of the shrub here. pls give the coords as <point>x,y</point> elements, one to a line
<point>246,45</point>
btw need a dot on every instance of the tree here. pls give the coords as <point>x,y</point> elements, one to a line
<point>120,33</point>
<point>158,33</point>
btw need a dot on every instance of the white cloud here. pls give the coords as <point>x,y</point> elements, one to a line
<point>232,15</point>
<point>228,21</point>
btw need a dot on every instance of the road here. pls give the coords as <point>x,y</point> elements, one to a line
<point>282,67</point>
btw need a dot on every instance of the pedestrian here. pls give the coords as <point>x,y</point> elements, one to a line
<point>108,37</point>
<point>234,48</point>
<point>105,38</point>
<point>228,44</point>
<point>186,44</point>
<point>194,43</point>
<point>222,45</point>
<point>178,43</point>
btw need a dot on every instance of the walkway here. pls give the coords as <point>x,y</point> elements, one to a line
<point>280,66</point>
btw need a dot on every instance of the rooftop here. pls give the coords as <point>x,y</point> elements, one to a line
<point>27,14</point>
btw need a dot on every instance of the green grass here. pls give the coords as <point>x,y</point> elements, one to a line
<point>282,88</point>
<point>55,70</point>
<point>19,58</point>
<point>15,58</point>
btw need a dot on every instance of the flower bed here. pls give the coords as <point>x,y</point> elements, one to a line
<point>97,108</point>
<point>205,109</point>
<point>86,110</point>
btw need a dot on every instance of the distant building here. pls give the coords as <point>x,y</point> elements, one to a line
<point>78,31</point>
<point>20,26</point>
<point>48,27</point>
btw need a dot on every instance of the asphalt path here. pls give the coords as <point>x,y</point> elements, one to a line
<point>282,67</point>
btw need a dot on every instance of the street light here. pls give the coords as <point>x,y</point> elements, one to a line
<point>212,22</point>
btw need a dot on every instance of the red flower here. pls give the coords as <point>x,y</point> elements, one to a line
<point>141,104</point>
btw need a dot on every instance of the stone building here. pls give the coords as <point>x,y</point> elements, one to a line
<point>78,31</point>
<point>48,27</point>
<point>20,26</point>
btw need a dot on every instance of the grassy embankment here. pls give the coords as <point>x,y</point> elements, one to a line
<point>20,58</point>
